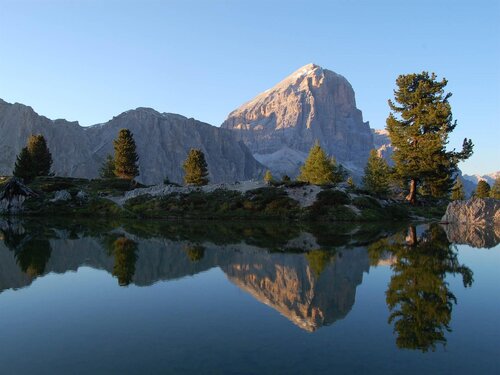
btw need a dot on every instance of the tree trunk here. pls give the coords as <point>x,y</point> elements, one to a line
<point>412,195</point>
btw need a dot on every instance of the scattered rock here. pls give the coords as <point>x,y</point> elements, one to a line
<point>82,196</point>
<point>61,195</point>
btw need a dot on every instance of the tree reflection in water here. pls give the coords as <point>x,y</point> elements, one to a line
<point>418,297</point>
<point>125,254</point>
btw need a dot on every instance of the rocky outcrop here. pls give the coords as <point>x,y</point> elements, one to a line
<point>312,104</point>
<point>475,211</point>
<point>13,195</point>
<point>163,141</point>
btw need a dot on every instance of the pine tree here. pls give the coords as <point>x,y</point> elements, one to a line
<point>40,155</point>
<point>318,169</point>
<point>457,191</point>
<point>268,177</point>
<point>495,189</point>
<point>24,166</point>
<point>108,168</point>
<point>126,157</point>
<point>195,168</point>
<point>376,178</point>
<point>350,183</point>
<point>34,160</point>
<point>482,189</point>
<point>419,125</point>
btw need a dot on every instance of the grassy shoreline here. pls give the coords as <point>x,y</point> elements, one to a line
<point>93,198</point>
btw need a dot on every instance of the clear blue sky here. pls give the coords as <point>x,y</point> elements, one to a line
<point>90,60</point>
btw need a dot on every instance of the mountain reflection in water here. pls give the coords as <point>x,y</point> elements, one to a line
<point>308,274</point>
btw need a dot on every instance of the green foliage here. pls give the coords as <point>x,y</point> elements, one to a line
<point>419,126</point>
<point>495,189</point>
<point>318,260</point>
<point>329,206</point>
<point>108,168</point>
<point>40,155</point>
<point>23,167</point>
<point>457,191</point>
<point>195,168</point>
<point>482,189</point>
<point>376,178</point>
<point>268,177</point>
<point>126,158</point>
<point>33,256</point>
<point>34,160</point>
<point>366,202</point>
<point>195,253</point>
<point>285,179</point>
<point>264,203</point>
<point>318,169</point>
<point>125,253</point>
<point>350,183</point>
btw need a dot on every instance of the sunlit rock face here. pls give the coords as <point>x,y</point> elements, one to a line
<point>312,104</point>
<point>382,144</point>
<point>288,284</point>
<point>163,141</point>
<point>475,211</point>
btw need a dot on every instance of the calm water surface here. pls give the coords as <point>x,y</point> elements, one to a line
<point>212,298</point>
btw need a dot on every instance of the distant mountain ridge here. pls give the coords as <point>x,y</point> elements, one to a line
<point>163,141</point>
<point>489,178</point>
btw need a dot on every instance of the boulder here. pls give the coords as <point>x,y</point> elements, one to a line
<point>13,195</point>
<point>475,211</point>
<point>61,195</point>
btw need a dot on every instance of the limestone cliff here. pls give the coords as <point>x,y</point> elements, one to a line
<point>163,141</point>
<point>312,104</point>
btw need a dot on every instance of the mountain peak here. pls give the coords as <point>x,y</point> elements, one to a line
<point>311,104</point>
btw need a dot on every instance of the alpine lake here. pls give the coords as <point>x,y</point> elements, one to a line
<point>190,297</point>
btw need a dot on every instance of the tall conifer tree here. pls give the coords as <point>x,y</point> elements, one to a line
<point>126,158</point>
<point>24,166</point>
<point>108,168</point>
<point>376,178</point>
<point>495,189</point>
<point>457,191</point>
<point>34,160</point>
<point>319,169</point>
<point>40,155</point>
<point>482,189</point>
<point>195,168</point>
<point>419,125</point>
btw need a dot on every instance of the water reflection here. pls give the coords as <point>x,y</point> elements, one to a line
<point>307,274</point>
<point>418,296</point>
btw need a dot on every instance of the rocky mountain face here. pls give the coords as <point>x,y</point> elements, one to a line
<point>163,141</point>
<point>313,104</point>
<point>382,144</point>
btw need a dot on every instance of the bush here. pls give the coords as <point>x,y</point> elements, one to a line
<point>332,198</point>
<point>366,202</point>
